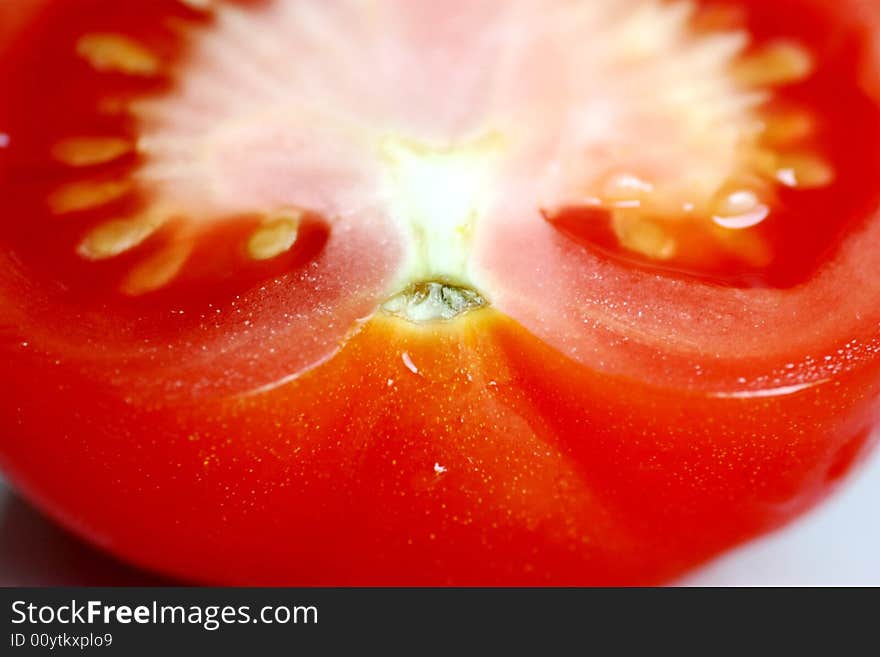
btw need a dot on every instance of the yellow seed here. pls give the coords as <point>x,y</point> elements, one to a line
<point>274,237</point>
<point>784,129</point>
<point>640,235</point>
<point>90,151</point>
<point>112,238</point>
<point>804,171</point>
<point>114,53</point>
<point>157,271</point>
<point>779,63</point>
<point>79,196</point>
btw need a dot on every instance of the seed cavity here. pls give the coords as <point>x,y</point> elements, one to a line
<point>433,301</point>
<point>90,151</point>
<point>115,53</point>
<point>115,237</point>
<point>276,236</point>
<point>716,147</point>
<point>80,196</point>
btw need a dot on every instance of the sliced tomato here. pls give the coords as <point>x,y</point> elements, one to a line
<point>436,293</point>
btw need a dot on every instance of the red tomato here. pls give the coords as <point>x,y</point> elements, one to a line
<point>406,292</point>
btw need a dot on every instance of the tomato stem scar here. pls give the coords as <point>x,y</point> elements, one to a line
<point>432,301</point>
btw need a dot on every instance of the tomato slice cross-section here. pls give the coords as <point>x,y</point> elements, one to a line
<point>407,292</point>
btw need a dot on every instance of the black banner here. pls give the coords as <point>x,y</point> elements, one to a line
<point>193,621</point>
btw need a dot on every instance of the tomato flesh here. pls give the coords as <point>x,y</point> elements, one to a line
<point>395,337</point>
<point>448,455</point>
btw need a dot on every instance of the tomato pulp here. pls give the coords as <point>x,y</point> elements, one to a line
<point>420,293</point>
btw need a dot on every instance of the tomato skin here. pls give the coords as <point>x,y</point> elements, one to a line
<point>496,462</point>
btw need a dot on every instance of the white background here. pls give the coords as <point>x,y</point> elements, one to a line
<point>836,544</point>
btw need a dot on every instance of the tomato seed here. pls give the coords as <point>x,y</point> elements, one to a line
<point>115,53</point>
<point>79,196</point>
<point>113,238</point>
<point>90,151</point>
<point>275,236</point>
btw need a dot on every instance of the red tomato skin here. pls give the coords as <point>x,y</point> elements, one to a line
<point>481,457</point>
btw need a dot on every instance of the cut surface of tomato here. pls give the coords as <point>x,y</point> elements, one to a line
<point>405,292</point>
